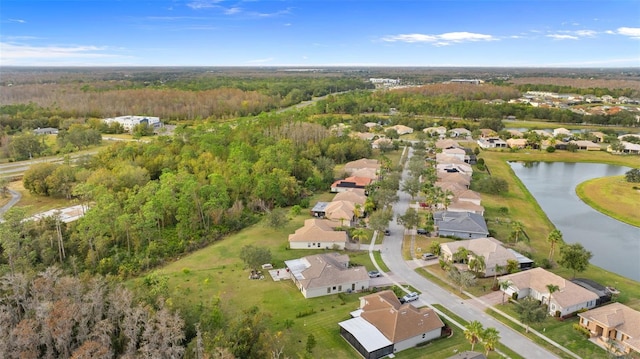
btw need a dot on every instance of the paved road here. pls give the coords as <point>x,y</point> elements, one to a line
<point>431,293</point>
<point>15,197</point>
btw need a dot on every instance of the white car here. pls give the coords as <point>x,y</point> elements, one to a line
<point>410,297</point>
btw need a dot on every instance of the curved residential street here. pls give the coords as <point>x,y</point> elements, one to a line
<point>431,293</point>
<point>15,197</point>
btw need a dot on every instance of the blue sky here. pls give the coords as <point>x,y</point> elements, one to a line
<point>516,33</point>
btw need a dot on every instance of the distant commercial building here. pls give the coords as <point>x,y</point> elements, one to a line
<point>129,122</point>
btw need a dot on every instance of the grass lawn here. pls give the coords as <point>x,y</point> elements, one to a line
<point>560,331</point>
<point>613,196</point>
<point>36,204</point>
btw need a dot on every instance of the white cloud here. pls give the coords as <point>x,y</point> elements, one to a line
<point>633,32</point>
<point>441,39</point>
<point>562,37</point>
<point>585,33</point>
<point>21,54</point>
<point>19,21</point>
<point>203,4</point>
<point>232,10</point>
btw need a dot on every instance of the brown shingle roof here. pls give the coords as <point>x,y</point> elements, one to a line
<point>397,321</point>
<point>330,269</point>
<point>318,230</point>
<point>619,316</point>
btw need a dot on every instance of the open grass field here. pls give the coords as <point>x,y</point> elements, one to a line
<point>36,204</point>
<point>613,196</point>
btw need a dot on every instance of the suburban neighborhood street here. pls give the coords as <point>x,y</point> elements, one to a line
<point>432,293</point>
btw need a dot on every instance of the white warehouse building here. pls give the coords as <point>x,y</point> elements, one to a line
<point>129,122</point>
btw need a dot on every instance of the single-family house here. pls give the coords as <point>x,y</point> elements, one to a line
<point>517,142</point>
<point>341,212</point>
<point>319,209</point>
<point>350,182</point>
<point>367,136</point>
<point>460,132</point>
<point>363,163</point>
<point>371,125</point>
<point>464,168</point>
<point>382,142</point>
<point>487,132</point>
<point>318,233</point>
<point>463,225</point>
<point>628,148</point>
<point>461,206</point>
<point>453,187</point>
<point>367,173</point>
<point>542,133</point>
<point>447,143</point>
<point>440,131</point>
<point>384,326</point>
<point>447,158</point>
<point>468,195</point>
<point>354,195</point>
<point>599,136</point>
<point>615,322</point>
<point>515,133</point>
<point>586,145</point>
<point>569,299</point>
<point>561,131</point>
<point>459,153</point>
<point>456,177</point>
<point>326,274</point>
<point>401,129</point>
<point>492,142</point>
<point>494,253</point>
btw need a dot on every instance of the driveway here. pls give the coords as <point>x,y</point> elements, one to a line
<point>432,293</point>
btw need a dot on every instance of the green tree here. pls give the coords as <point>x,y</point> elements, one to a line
<point>26,145</point>
<point>552,288</point>
<point>311,343</point>
<point>462,279</point>
<point>633,175</point>
<point>477,264</point>
<point>276,218</point>
<point>504,285</point>
<point>530,312</point>
<point>554,238</point>
<point>410,219</point>
<point>512,265</point>
<point>254,257</point>
<point>575,257</point>
<point>517,228</point>
<point>379,220</point>
<point>35,178</point>
<point>412,186</point>
<point>473,332</point>
<point>359,235</point>
<point>435,248</point>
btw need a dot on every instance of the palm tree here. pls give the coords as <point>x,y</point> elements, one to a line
<point>473,332</point>
<point>552,288</point>
<point>461,255</point>
<point>490,338</point>
<point>477,264</point>
<point>504,285</point>
<point>497,269</point>
<point>554,238</point>
<point>359,234</point>
<point>517,228</point>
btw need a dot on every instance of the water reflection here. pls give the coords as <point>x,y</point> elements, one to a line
<point>615,245</point>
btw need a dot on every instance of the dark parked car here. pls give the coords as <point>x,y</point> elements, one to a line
<point>422,231</point>
<point>387,232</point>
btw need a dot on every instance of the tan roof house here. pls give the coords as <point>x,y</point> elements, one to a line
<point>362,163</point>
<point>383,325</point>
<point>517,142</point>
<point>455,152</point>
<point>354,195</point>
<point>438,130</point>
<point>447,158</point>
<point>381,142</point>
<point>586,145</point>
<point>367,136</point>
<point>515,133</point>
<point>367,173</point>
<point>341,212</point>
<point>462,206</point>
<point>456,177</point>
<point>325,274</point>
<point>561,131</point>
<point>569,299</point>
<point>318,233</point>
<point>454,187</point>
<point>460,132</point>
<point>599,135</point>
<point>464,168</point>
<point>447,143</point>
<point>402,129</point>
<point>616,322</point>
<point>490,248</point>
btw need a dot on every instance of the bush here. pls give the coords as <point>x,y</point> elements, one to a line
<point>582,330</point>
<point>546,263</point>
<point>551,149</point>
